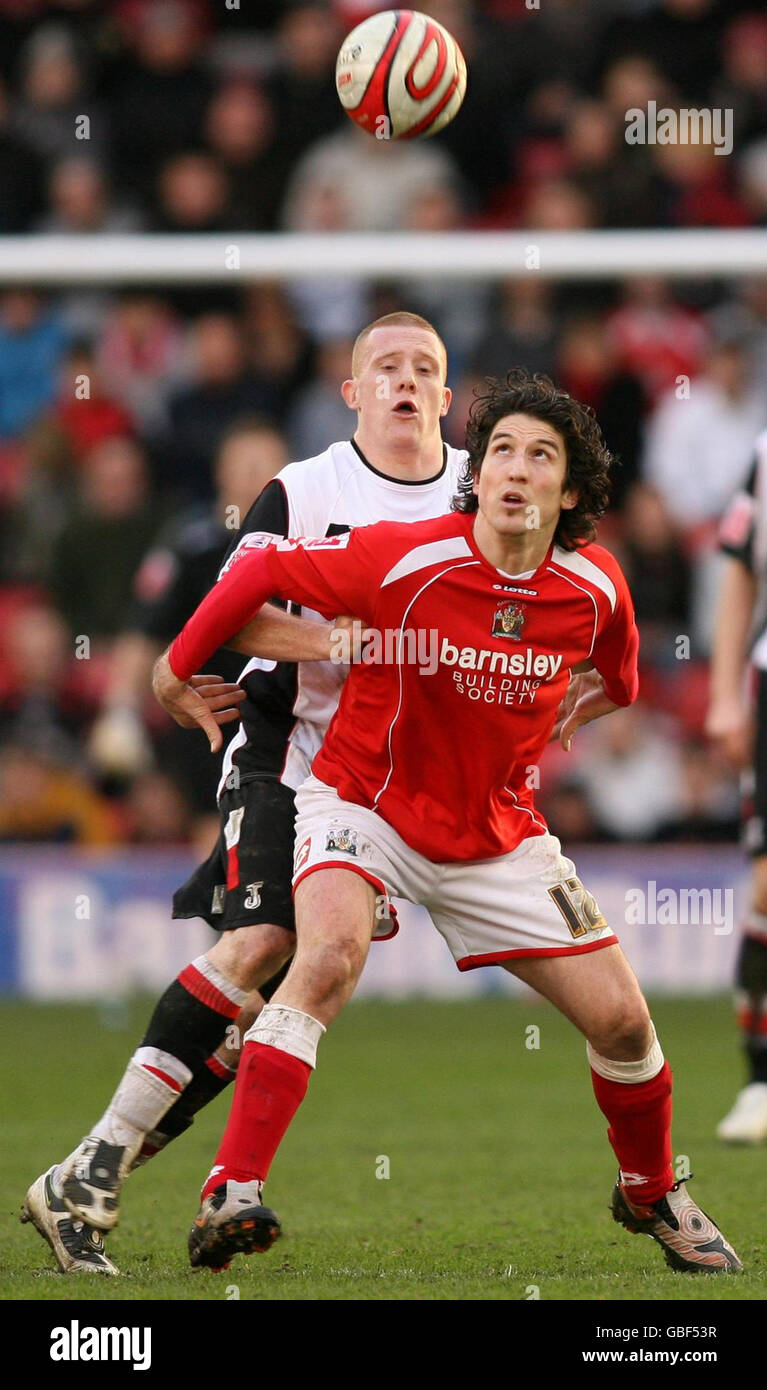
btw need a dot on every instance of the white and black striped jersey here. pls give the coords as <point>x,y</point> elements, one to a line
<point>743,534</point>
<point>289,706</point>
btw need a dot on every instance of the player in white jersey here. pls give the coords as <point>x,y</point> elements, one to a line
<point>397,468</point>
<point>738,724</point>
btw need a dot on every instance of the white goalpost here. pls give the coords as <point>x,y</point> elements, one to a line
<point>60,261</point>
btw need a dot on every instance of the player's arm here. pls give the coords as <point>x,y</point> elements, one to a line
<point>613,682</point>
<point>728,721</point>
<point>279,636</point>
<point>328,575</point>
<point>273,634</point>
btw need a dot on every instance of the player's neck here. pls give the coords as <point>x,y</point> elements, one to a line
<point>414,464</point>
<point>518,554</point>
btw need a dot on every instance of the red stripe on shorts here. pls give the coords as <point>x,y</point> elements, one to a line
<point>363,873</point>
<point>495,957</point>
<point>232,868</point>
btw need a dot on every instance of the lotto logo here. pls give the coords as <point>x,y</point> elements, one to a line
<point>302,854</point>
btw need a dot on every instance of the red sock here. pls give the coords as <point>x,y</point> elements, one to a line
<point>640,1132</point>
<point>269,1089</point>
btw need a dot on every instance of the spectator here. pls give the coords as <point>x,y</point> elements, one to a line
<point>658,572</point>
<point>222,390</point>
<point>140,353</point>
<point>192,193</point>
<point>587,368</point>
<point>521,333</point>
<point>84,413</point>
<point>655,338</point>
<point>43,703</point>
<point>457,307</point>
<point>319,415</point>
<point>159,101</point>
<point>80,201</point>
<point>742,84</point>
<point>699,445</point>
<point>101,545</point>
<point>32,341</point>
<point>361,184</point>
<point>632,774</point>
<point>43,799</point>
<point>301,88</point>
<point>156,811</point>
<point>241,132</point>
<point>53,96</point>
<point>21,178</point>
<point>744,316</point>
<point>752,180</point>
<point>277,349</point>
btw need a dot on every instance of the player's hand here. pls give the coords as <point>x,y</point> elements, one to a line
<point>186,703</point>
<point>345,639</point>
<point>584,700</point>
<point>730,727</point>
<point>223,699</point>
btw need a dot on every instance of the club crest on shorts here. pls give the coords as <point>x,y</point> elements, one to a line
<point>508,621</point>
<point>343,840</point>
<point>254,894</point>
<point>219,898</point>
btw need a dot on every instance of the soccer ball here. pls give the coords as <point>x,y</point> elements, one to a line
<point>400,74</point>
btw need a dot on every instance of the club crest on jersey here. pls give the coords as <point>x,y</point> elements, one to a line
<point>508,621</point>
<point>343,840</point>
<point>254,894</point>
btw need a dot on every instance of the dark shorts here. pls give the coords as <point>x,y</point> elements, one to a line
<point>755,782</point>
<point>248,876</point>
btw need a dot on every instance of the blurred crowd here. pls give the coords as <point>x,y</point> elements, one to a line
<point>137,425</point>
<point>201,116</point>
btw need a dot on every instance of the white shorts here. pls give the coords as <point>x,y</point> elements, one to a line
<point>526,903</point>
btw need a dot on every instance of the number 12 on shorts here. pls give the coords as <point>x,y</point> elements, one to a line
<point>578,907</point>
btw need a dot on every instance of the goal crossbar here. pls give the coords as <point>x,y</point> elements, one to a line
<point>220,257</point>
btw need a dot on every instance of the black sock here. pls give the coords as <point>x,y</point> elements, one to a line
<point>751,979</point>
<point>204,1086</point>
<point>191,1018</point>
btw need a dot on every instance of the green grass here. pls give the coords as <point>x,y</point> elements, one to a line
<point>500,1171</point>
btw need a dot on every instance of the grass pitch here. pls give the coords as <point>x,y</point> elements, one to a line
<point>499,1167</point>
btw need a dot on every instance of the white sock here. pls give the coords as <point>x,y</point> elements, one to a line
<point>142,1098</point>
<point>288,1029</point>
<point>629,1072</point>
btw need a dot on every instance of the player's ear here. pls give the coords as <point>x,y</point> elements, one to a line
<point>350,393</point>
<point>447,397</point>
<point>570,499</point>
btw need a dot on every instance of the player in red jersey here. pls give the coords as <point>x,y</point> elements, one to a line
<point>421,790</point>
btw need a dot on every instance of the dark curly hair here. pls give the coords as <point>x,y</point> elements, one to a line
<point>588,459</point>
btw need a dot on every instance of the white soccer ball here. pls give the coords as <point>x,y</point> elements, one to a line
<point>399,75</point>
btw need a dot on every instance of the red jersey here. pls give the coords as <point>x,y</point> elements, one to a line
<point>442,737</point>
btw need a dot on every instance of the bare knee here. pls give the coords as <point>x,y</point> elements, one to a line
<point>330,969</point>
<point>623,1033</point>
<point>249,956</point>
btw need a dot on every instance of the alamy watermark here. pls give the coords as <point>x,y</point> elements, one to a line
<point>687,126</point>
<point>672,907</point>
